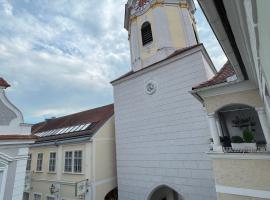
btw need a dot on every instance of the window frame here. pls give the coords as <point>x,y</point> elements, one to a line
<point>50,196</point>
<point>37,194</point>
<point>71,163</point>
<point>55,162</point>
<point>146,28</point>
<point>29,162</point>
<point>41,166</point>
<point>73,171</point>
<point>79,160</point>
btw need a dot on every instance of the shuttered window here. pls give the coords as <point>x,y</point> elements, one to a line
<point>147,36</point>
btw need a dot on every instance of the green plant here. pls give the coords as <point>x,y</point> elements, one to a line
<point>248,136</point>
<point>237,139</point>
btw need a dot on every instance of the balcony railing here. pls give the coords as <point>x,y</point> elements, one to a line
<point>246,150</point>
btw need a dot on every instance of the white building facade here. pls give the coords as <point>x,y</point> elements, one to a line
<point>15,137</point>
<point>161,132</point>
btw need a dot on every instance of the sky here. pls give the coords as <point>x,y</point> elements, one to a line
<point>60,56</point>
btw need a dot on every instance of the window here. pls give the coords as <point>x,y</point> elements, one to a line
<point>52,162</point>
<point>37,197</point>
<point>28,165</point>
<point>77,161</point>
<point>50,198</point>
<point>68,161</point>
<point>39,161</point>
<point>25,196</point>
<point>146,31</point>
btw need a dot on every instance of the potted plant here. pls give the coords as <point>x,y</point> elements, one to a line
<point>249,139</point>
<point>245,143</point>
<point>236,142</point>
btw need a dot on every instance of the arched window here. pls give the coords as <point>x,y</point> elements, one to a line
<point>147,36</point>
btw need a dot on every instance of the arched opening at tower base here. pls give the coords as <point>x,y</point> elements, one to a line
<point>164,193</point>
<point>112,195</point>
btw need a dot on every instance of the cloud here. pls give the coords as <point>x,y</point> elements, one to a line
<point>209,40</point>
<point>60,56</point>
<point>61,53</point>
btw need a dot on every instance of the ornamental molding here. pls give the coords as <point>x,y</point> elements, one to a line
<point>150,87</point>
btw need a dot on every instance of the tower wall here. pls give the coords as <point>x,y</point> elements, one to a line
<point>161,138</point>
<point>173,27</point>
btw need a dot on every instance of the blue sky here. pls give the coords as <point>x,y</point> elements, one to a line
<point>60,56</point>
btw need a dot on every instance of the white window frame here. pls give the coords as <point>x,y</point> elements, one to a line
<point>77,159</point>
<point>50,196</point>
<point>41,162</point>
<point>29,162</point>
<point>72,162</point>
<point>55,162</point>
<point>37,194</point>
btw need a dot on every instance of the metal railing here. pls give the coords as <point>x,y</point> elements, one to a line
<point>246,150</point>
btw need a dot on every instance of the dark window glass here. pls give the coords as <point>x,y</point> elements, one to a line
<point>147,36</point>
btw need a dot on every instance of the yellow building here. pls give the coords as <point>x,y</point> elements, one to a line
<point>237,99</point>
<point>240,136</point>
<point>74,157</point>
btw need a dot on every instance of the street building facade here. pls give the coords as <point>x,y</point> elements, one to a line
<point>15,138</point>
<point>236,100</point>
<point>74,157</point>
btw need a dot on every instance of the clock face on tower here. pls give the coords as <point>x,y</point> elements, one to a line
<point>142,4</point>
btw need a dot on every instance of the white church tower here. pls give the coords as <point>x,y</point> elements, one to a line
<point>161,130</point>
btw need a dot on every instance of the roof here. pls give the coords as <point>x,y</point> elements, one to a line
<point>177,52</point>
<point>221,77</point>
<point>18,137</point>
<point>4,83</point>
<point>89,121</point>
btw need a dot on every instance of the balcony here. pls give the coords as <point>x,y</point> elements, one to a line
<point>239,128</point>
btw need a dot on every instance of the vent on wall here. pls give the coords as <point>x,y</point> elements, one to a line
<point>147,36</point>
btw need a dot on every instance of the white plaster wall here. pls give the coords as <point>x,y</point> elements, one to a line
<point>161,139</point>
<point>20,174</point>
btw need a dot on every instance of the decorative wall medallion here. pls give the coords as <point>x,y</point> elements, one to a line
<point>150,87</point>
<point>142,5</point>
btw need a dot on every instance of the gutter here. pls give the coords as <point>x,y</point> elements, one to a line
<point>219,5</point>
<point>59,142</point>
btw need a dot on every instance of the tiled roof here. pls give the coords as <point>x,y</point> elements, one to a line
<point>4,83</point>
<point>18,137</point>
<point>177,52</point>
<point>221,77</point>
<point>96,117</point>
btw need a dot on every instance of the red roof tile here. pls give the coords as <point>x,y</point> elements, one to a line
<point>18,137</point>
<point>221,77</point>
<point>4,83</point>
<point>97,117</point>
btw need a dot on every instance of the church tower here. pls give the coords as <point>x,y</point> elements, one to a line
<point>157,28</point>
<point>161,130</point>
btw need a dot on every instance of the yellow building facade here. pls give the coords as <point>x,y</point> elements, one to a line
<point>232,107</point>
<point>77,167</point>
<point>172,25</point>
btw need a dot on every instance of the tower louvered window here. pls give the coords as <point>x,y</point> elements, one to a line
<point>147,36</point>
